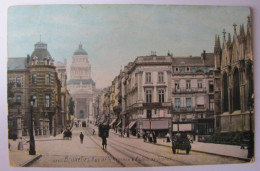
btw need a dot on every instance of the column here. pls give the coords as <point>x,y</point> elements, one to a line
<point>19,126</point>
<point>140,86</point>
<point>169,87</point>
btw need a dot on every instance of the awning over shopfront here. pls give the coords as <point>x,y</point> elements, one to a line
<point>182,127</point>
<point>111,123</point>
<point>156,125</point>
<point>131,124</point>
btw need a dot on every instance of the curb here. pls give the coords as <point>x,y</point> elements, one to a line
<point>244,159</point>
<point>28,163</point>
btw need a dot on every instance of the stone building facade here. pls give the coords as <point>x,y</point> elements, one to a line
<point>65,117</point>
<point>34,77</point>
<point>146,95</point>
<point>193,95</point>
<point>81,86</point>
<point>234,79</point>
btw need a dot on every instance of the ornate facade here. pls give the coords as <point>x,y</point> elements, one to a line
<point>81,86</point>
<point>234,79</point>
<point>34,78</point>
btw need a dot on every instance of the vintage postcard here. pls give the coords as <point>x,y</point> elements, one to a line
<point>130,85</point>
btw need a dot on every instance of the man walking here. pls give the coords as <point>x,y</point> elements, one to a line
<point>81,136</point>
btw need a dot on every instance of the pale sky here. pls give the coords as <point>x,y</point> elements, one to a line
<point>114,35</point>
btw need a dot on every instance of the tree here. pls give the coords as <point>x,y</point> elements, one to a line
<point>71,106</point>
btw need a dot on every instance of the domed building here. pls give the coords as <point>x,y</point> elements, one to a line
<point>34,77</point>
<point>81,86</point>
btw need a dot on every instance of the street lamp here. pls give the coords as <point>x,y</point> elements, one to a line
<point>251,134</point>
<point>32,142</point>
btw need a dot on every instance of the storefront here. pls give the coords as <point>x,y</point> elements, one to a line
<point>160,126</point>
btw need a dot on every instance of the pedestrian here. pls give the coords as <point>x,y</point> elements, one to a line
<point>93,131</point>
<point>154,137</point>
<point>20,144</point>
<point>104,142</point>
<point>144,137</point>
<point>81,136</point>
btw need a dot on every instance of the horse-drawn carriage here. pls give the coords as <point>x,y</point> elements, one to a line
<point>103,130</point>
<point>181,142</point>
<point>67,134</point>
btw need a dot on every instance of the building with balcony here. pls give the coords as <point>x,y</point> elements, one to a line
<point>33,77</point>
<point>193,95</point>
<point>146,95</point>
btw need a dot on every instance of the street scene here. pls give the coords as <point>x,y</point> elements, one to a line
<point>130,86</point>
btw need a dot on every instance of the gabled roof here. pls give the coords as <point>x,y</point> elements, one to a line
<point>18,63</point>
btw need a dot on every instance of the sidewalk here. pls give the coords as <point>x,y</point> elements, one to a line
<point>217,149</point>
<point>21,158</point>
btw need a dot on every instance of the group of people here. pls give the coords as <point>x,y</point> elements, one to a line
<point>150,137</point>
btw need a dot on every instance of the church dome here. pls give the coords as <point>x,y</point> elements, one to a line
<point>80,51</point>
<point>41,52</point>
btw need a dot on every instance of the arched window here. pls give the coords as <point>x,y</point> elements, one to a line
<point>225,93</point>
<point>236,91</point>
<point>47,79</point>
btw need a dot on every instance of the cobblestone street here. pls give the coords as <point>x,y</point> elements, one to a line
<point>121,152</point>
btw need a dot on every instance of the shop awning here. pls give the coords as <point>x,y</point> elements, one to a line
<point>111,123</point>
<point>156,124</point>
<point>118,123</point>
<point>131,124</point>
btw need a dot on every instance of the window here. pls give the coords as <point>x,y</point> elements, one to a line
<point>176,69</point>
<point>10,79</point>
<point>177,85</point>
<point>149,114</point>
<point>18,81</point>
<point>188,103</point>
<point>211,104</point>
<point>187,84</point>
<point>148,78</point>
<point>160,77</point>
<point>161,96</point>
<point>19,99</point>
<point>35,100</point>
<point>148,96</point>
<point>47,101</point>
<point>187,69</point>
<point>199,83</point>
<point>47,79</point>
<point>211,86</point>
<point>177,103</point>
<point>34,78</point>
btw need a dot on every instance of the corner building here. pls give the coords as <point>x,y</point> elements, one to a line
<point>35,78</point>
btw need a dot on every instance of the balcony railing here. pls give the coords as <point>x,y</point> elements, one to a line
<point>183,109</point>
<point>190,90</point>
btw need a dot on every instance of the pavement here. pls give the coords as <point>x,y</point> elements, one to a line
<point>232,151</point>
<point>21,158</point>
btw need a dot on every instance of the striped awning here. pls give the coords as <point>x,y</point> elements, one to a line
<point>118,123</point>
<point>131,124</point>
<point>111,123</point>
